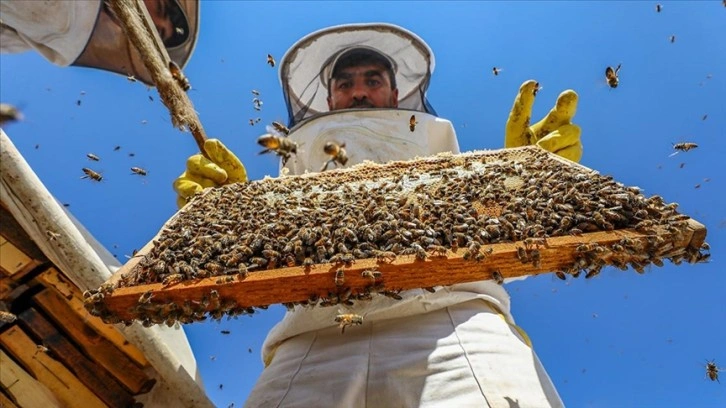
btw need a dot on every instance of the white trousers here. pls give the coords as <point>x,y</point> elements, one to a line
<point>464,355</point>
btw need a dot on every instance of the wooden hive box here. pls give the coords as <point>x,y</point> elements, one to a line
<point>343,235</point>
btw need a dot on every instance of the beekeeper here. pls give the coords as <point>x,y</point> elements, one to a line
<point>86,33</point>
<point>458,347</point>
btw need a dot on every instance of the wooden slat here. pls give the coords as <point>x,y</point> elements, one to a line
<point>62,383</point>
<point>95,377</point>
<point>5,401</point>
<point>22,387</point>
<point>53,278</point>
<point>14,262</point>
<point>97,347</point>
<point>295,284</point>
<point>12,231</point>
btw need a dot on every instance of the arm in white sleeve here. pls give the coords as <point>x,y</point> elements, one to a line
<point>58,30</point>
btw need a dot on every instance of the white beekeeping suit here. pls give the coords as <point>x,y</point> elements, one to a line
<point>457,347</point>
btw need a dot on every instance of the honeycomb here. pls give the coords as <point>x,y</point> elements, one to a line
<point>419,207</point>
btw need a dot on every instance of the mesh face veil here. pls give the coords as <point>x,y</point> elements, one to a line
<point>307,66</point>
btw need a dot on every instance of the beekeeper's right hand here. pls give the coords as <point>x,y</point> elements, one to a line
<point>223,168</point>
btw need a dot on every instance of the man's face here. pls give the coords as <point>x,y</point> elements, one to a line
<point>362,86</point>
<point>159,14</point>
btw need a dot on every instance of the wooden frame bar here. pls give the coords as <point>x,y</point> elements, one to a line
<point>297,284</point>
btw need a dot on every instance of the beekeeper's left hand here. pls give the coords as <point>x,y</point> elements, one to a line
<point>555,132</point>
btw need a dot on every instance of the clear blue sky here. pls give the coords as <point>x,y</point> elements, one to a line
<point>620,340</point>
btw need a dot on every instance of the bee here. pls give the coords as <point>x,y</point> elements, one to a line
<point>339,277</point>
<point>173,279</point>
<point>672,39</point>
<point>178,76</point>
<point>611,75</point>
<point>336,152</point>
<point>498,278</point>
<point>437,249</point>
<point>561,275</point>
<point>412,123</point>
<point>90,174</point>
<point>683,147</point>
<point>78,102</point>
<point>9,113</point>
<point>93,157</point>
<point>41,349</point>
<point>117,148</point>
<point>7,317</point>
<point>371,274</point>
<point>255,92</point>
<point>138,170</point>
<point>712,371</point>
<point>658,8</point>
<point>270,60</point>
<point>225,331</point>
<point>537,88</point>
<point>281,145</point>
<point>146,297</point>
<point>131,78</point>
<point>496,71</point>
<point>348,319</point>
<point>281,128</point>
<point>257,104</point>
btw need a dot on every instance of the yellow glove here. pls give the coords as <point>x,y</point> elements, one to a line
<point>224,168</point>
<point>555,132</point>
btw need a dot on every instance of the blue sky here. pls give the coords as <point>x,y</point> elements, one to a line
<point>621,339</point>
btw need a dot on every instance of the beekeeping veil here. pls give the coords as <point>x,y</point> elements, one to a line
<point>369,134</point>
<point>109,48</point>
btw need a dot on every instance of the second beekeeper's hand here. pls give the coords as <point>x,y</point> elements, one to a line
<point>555,132</point>
<point>223,168</point>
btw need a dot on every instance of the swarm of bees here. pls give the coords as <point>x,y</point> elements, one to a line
<point>424,207</point>
<point>92,175</point>
<point>611,75</point>
<point>9,113</point>
<point>412,123</point>
<point>277,141</point>
<point>270,60</point>
<point>712,370</point>
<point>337,154</point>
<point>179,76</point>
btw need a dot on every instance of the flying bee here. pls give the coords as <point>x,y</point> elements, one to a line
<point>348,319</point>
<point>537,88</point>
<point>672,39</point>
<point>7,317</point>
<point>412,123</point>
<point>255,92</point>
<point>683,147</point>
<point>611,75</point>
<point>9,113</point>
<point>178,76</point>
<point>93,157</point>
<point>496,71</point>
<point>336,152</point>
<point>131,78</point>
<point>281,128</point>
<point>712,371</point>
<point>658,8</point>
<point>90,174</point>
<point>225,331</point>
<point>270,60</point>
<point>281,145</point>
<point>138,170</point>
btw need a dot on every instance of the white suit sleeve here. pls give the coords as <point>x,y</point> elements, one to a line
<point>58,30</point>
